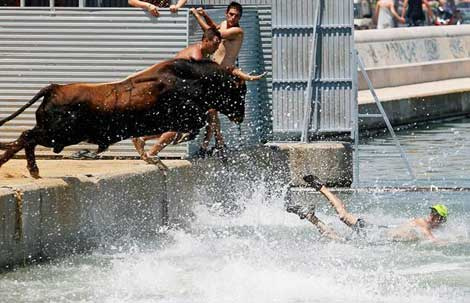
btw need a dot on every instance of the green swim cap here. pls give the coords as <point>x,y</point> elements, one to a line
<point>441,210</point>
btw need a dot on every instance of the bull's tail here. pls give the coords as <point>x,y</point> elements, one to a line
<point>38,96</point>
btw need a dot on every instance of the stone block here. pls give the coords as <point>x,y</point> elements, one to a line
<point>330,161</point>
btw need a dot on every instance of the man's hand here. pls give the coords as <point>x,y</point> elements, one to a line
<point>201,11</point>
<point>193,11</point>
<point>174,8</point>
<point>152,9</point>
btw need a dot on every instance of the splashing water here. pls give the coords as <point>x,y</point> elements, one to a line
<point>263,254</point>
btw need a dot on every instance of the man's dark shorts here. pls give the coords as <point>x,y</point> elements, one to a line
<point>414,22</point>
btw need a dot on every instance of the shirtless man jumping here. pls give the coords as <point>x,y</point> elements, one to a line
<point>411,230</point>
<point>209,44</point>
<point>225,55</point>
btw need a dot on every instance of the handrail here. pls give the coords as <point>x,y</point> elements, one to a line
<point>311,75</point>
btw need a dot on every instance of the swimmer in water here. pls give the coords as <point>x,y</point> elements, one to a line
<point>412,230</point>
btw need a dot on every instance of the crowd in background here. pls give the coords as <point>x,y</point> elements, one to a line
<point>382,14</point>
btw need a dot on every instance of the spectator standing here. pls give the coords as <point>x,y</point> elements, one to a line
<point>385,12</point>
<point>413,9</point>
<point>152,5</point>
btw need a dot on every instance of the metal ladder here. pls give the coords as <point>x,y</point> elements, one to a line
<point>387,122</point>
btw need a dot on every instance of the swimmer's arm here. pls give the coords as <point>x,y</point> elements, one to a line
<point>429,234</point>
<point>426,231</point>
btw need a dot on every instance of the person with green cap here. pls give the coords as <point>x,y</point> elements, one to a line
<point>412,230</point>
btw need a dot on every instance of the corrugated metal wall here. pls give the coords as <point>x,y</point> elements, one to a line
<point>290,42</point>
<point>293,24</point>
<point>41,46</point>
<point>336,80</point>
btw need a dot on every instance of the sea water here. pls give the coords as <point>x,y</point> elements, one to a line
<point>264,254</point>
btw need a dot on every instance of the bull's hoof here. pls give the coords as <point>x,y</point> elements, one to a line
<point>35,174</point>
<point>155,161</point>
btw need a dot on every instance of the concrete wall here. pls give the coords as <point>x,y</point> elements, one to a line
<point>403,56</point>
<point>418,109</point>
<point>56,217</point>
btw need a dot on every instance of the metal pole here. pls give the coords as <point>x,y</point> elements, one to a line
<point>81,3</point>
<point>22,3</point>
<point>311,75</point>
<point>356,167</point>
<point>384,115</point>
<point>51,3</point>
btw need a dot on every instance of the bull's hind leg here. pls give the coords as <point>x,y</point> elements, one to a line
<point>5,145</point>
<point>14,147</point>
<point>26,141</point>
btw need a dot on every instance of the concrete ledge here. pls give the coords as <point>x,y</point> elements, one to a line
<point>404,56</point>
<point>400,75</point>
<point>404,107</point>
<point>411,33</point>
<point>56,217</point>
<point>331,161</point>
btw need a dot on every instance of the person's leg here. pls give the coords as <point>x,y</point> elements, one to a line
<point>163,140</point>
<point>219,139</point>
<point>209,129</point>
<point>324,229</point>
<point>338,205</point>
<point>308,212</point>
<point>139,143</point>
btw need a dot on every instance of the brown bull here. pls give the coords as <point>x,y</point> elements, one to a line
<point>171,96</point>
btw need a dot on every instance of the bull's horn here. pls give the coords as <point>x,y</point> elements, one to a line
<point>247,77</point>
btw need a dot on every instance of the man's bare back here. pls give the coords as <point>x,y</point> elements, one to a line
<point>191,52</point>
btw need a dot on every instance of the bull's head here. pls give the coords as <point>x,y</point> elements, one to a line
<point>236,100</point>
<point>235,108</point>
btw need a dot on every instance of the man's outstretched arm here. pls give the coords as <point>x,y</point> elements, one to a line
<point>201,20</point>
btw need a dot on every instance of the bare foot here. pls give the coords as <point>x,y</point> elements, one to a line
<point>139,146</point>
<point>155,160</point>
